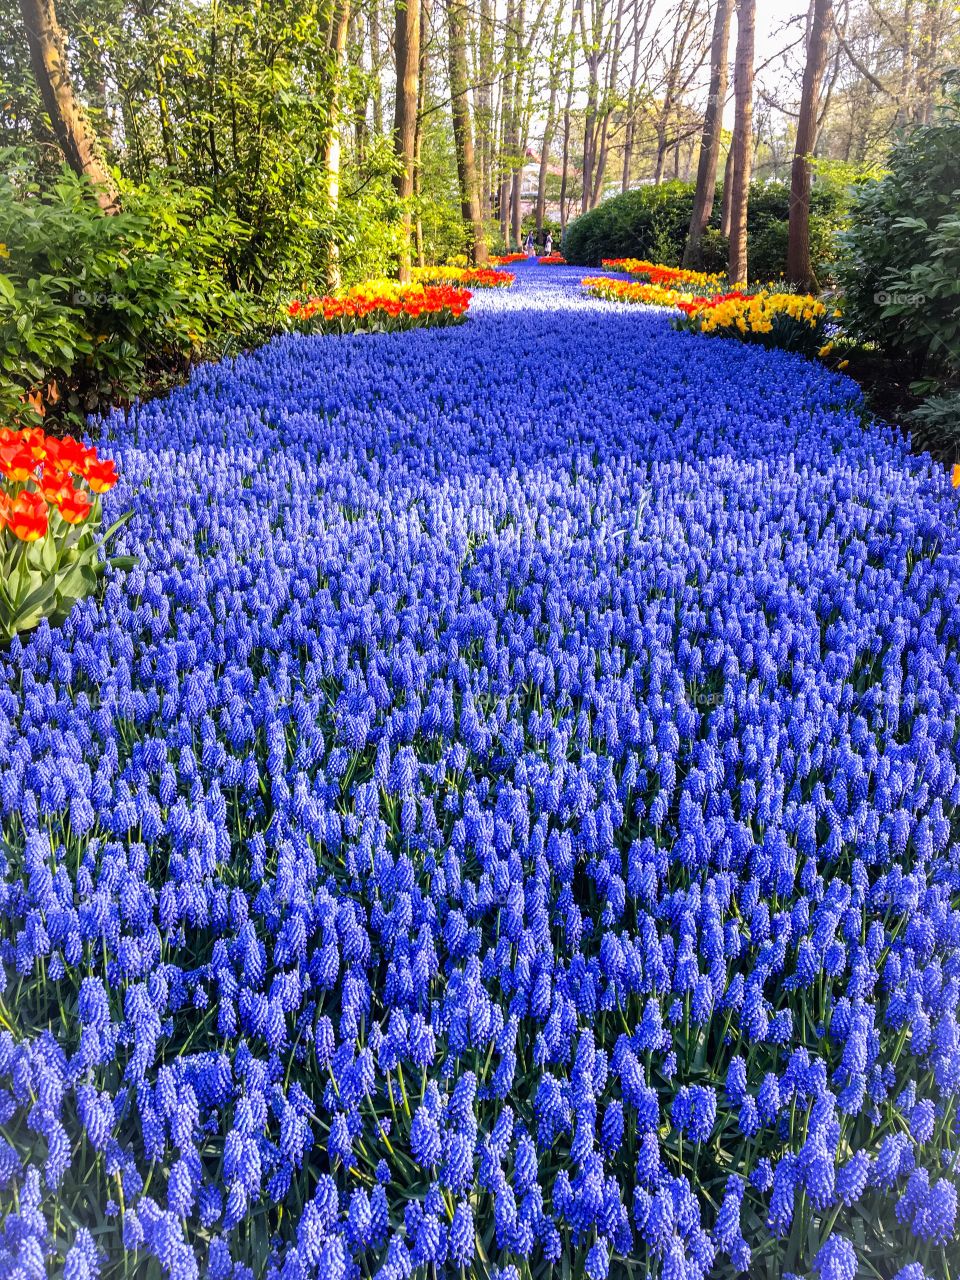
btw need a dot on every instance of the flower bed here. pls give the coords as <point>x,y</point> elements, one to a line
<point>504,821</point>
<point>465,277</point>
<point>50,558</point>
<point>792,322</point>
<point>381,307</point>
<point>651,295</point>
<point>552,260</point>
<point>504,259</point>
<point>657,273</point>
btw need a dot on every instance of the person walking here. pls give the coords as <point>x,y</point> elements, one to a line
<point>528,244</point>
<point>548,244</point>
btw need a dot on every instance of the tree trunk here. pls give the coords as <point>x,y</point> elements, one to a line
<point>339,26</point>
<point>549,125</point>
<point>507,114</point>
<point>742,141</point>
<point>519,129</point>
<point>565,170</point>
<point>631,114</point>
<point>545,159</point>
<point>376,88</point>
<point>483,104</point>
<point>726,203</point>
<point>457,19</point>
<point>929,48</point>
<point>423,80</point>
<point>361,128</point>
<point>567,110</point>
<point>73,131</point>
<point>661,153</point>
<point>589,123</point>
<point>407,51</point>
<point>800,269</point>
<point>710,140</point>
<point>610,89</point>
<point>904,92</point>
<point>627,153</point>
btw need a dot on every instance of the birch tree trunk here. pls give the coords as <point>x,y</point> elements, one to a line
<point>710,141</point>
<point>73,131</point>
<point>800,270</point>
<point>742,140</point>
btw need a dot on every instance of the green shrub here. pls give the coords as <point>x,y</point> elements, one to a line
<point>936,424</point>
<point>651,222</point>
<point>94,309</point>
<point>899,270</point>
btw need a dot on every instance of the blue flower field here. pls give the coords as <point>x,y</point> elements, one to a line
<point>504,827</point>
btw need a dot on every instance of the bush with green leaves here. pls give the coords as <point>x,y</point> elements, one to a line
<point>899,270</point>
<point>652,222</point>
<point>95,309</point>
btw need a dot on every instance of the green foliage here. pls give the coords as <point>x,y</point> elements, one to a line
<point>651,222</point>
<point>46,578</point>
<point>95,309</point>
<point>899,270</point>
<point>50,518</point>
<point>936,425</point>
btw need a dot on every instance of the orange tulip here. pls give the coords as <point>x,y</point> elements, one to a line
<point>54,484</point>
<point>27,517</point>
<point>100,475</point>
<point>74,506</point>
<point>17,463</point>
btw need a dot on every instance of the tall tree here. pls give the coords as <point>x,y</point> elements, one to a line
<point>555,65</point>
<point>518,137</point>
<point>595,41</point>
<point>710,139</point>
<point>683,56</point>
<point>642,13</point>
<point>407,53</point>
<point>423,83</point>
<point>610,98</point>
<point>74,133</point>
<point>568,113</point>
<point>483,104</point>
<point>337,43</point>
<point>375,68</point>
<point>457,23</point>
<point>742,139</point>
<point>508,125</point>
<point>726,201</point>
<point>800,269</point>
